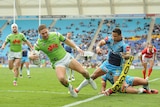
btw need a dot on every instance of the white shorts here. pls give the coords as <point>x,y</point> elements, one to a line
<point>146,60</point>
<point>14,55</point>
<point>64,62</point>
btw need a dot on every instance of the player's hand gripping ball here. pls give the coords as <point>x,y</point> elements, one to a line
<point>34,55</point>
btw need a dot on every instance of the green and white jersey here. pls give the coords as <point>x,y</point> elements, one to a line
<point>15,41</point>
<point>52,46</point>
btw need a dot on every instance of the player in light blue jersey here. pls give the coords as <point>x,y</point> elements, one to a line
<point>130,82</point>
<point>25,60</point>
<point>70,75</point>
<point>118,50</point>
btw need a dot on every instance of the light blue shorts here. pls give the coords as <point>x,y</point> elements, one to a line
<point>24,59</point>
<point>129,80</point>
<point>115,70</point>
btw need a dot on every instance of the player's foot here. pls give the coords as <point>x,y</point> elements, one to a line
<point>28,76</point>
<point>69,80</point>
<point>147,78</point>
<point>93,84</point>
<point>73,79</point>
<point>20,76</point>
<point>15,83</point>
<point>152,91</point>
<point>76,90</point>
<point>72,91</point>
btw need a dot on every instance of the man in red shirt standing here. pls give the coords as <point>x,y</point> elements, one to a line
<point>148,56</point>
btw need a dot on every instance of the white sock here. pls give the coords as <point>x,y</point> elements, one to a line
<point>20,71</point>
<point>83,84</point>
<point>140,90</point>
<point>70,87</point>
<point>68,72</point>
<point>28,72</point>
<point>72,73</point>
<point>146,87</point>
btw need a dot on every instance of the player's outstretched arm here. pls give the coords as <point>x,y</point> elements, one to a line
<point>29,44</point>
<point>3,45</point>
<point>71,44</point>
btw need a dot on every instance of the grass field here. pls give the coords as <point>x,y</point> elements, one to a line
<point>44,90</point>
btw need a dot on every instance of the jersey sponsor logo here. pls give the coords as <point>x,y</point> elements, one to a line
<point>16,41</point>
<point>52,46</point>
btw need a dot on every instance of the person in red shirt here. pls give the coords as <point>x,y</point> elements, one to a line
<point>148,56</point>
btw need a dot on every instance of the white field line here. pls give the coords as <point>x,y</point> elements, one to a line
<point>26,91</point>
<point>93,98</point>
<point>154,79</point>
<point>83,101</point>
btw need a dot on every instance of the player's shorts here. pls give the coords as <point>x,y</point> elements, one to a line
<point>24,59</point>
<point>146,60</point>
<point>14,55</point>
<point>115,70</point>
<point>129,80</point>
<point>64,62</point>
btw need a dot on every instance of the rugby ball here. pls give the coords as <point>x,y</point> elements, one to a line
<point>36,53</point>
<point>37,61</point>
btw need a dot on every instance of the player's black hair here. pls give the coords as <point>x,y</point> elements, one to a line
<point>117,30</point>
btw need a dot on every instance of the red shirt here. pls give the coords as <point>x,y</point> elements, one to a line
<point>147,53</point>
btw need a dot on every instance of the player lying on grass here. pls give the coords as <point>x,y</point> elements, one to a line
<point>130,81</point>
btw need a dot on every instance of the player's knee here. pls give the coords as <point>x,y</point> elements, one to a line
<point>10,68</point>
<point>85,73</point>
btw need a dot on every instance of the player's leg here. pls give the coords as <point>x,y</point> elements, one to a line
<point>26,62</point>
<point>60,73</point>
<point>103,85</point>
<point>68,74</point>
<point>132,90</point>
<point>21,68</point>
<point>144,67</point>
<point>139,81</point>
<point>16,70</point>
<point>76,66</point>
<point>11,64</point>
<point>28,69</point>
<point>72,71</point>
<point>97,73</point>
<point>72,75</point>
<point>151,63</point>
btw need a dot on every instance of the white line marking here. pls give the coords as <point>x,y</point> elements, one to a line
<point>83,101</point>
<point>93,98</point>
<point>26,91</point>
<point>45,92</point>
<point>154,79</point>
